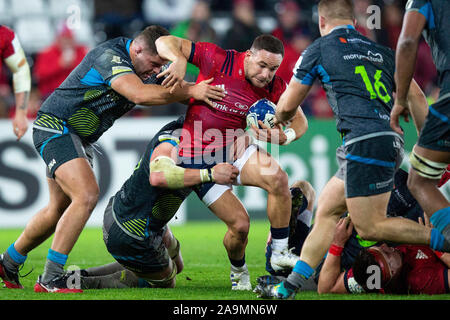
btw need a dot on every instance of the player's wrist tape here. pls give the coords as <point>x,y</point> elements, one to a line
<point>438,253</point>
<point>290,135</point>
<point>335,250</point>
<point>207,175</point>
<point>174,174</point>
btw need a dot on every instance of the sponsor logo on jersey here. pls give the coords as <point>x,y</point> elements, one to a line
<point>372,57</point>
<point>241,106</point>
<point>222,86</point>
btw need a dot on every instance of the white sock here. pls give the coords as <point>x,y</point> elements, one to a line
<point>239,269</point>
<point>280,244</point>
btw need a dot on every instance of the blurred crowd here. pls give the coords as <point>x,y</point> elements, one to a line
<point>230,24</point>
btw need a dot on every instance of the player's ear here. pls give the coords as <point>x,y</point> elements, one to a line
<point>322,21</point>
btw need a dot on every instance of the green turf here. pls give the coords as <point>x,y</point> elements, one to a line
<point>205,277</point>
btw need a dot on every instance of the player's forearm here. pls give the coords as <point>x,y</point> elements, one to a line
<point>299,124</point>
<point>329,274</point>
<point>170,48</point>
<point>164,173</point>
<point>418,105</point>
<point>154,95</point>
<point>21,99</point>
<point>405,65</point>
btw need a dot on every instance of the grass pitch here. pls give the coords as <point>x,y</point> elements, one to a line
<point>205,276</point>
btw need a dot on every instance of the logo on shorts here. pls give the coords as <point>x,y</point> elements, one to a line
<point>51,164</point>
<point>380,185</point>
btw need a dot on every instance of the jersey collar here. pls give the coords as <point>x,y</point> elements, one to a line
<point>344,26</point>
<point>128,46</point>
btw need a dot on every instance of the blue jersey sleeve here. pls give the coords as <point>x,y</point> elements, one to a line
<point>309,67</point>
<point>110,65</point>
<point>425,8</point>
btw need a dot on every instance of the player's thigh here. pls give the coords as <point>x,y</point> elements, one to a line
<point>144,256</point>
<point>366,212</point>
<point>262,170</point>
<point>230,210</point>
<point>67,160</point>
<point>433,155</point>
<point>76,178</point>
<point>331,201</point>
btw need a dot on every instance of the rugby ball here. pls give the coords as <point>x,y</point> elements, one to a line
<point>263,110</point>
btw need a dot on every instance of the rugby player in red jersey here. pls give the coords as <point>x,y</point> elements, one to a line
<point>402,269</point>
<point>12,54</point>
<point>209,132</point>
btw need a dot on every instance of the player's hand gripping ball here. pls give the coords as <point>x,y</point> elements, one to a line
<point>263,110</point>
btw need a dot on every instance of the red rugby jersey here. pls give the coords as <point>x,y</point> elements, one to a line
<point>205,127</point>
<point>6,43</point>
<point>422,272</point>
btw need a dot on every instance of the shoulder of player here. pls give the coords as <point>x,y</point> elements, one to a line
<point>111,48</point>
<point>6,34</point>
<point>4,30</point>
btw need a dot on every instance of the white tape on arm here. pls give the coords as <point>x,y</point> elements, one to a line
<point>17,63</point>
<point>290,135</point>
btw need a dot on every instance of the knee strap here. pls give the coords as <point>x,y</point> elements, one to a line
<point>162,283</point>
<point>427,168</point>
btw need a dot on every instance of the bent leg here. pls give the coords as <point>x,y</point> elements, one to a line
<point>368,215</point>
<point>230,210</point>
<point>43,224</point>
<point>261,170</point>
<point>331,205</point>
<point>77,180</point>
<point>424,189</point>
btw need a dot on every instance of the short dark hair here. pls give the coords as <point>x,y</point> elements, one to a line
<point>337,9</point>
<point>150,34</point>
<point>269,43</point>
<point>364,259</point>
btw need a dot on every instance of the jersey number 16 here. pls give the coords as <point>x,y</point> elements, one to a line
<point>361,70</point>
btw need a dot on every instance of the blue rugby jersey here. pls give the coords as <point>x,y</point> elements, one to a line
<point>138,206</point>
<point>437,14</point>
<point>85,101</point>
<point>358,77</point>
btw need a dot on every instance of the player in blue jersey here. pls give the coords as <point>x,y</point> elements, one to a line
<point>135,227</point>
<point>431,154</point>
<point>358,77</point>
<point>110,81</point>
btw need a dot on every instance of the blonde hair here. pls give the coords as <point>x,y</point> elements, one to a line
<point>337,9</point>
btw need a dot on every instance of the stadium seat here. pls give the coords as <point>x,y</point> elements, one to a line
<point>28,8</point>
<point>35,33</point>
<point>59,9</point>
<point>5,15</point>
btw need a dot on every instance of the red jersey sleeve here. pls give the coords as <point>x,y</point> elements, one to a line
<point>6,42</point>
<point>206,56</point>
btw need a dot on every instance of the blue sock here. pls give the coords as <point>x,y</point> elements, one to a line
<point>16,256</point>
<point>441,218</point>
<point>437,240</point>
<point>303,269</point>
<point>57,257</point>
<point>279,233</point>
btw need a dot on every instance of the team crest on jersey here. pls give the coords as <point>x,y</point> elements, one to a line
<point>420,255</point>
<point>222,86</point>
<point>116,59</point>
